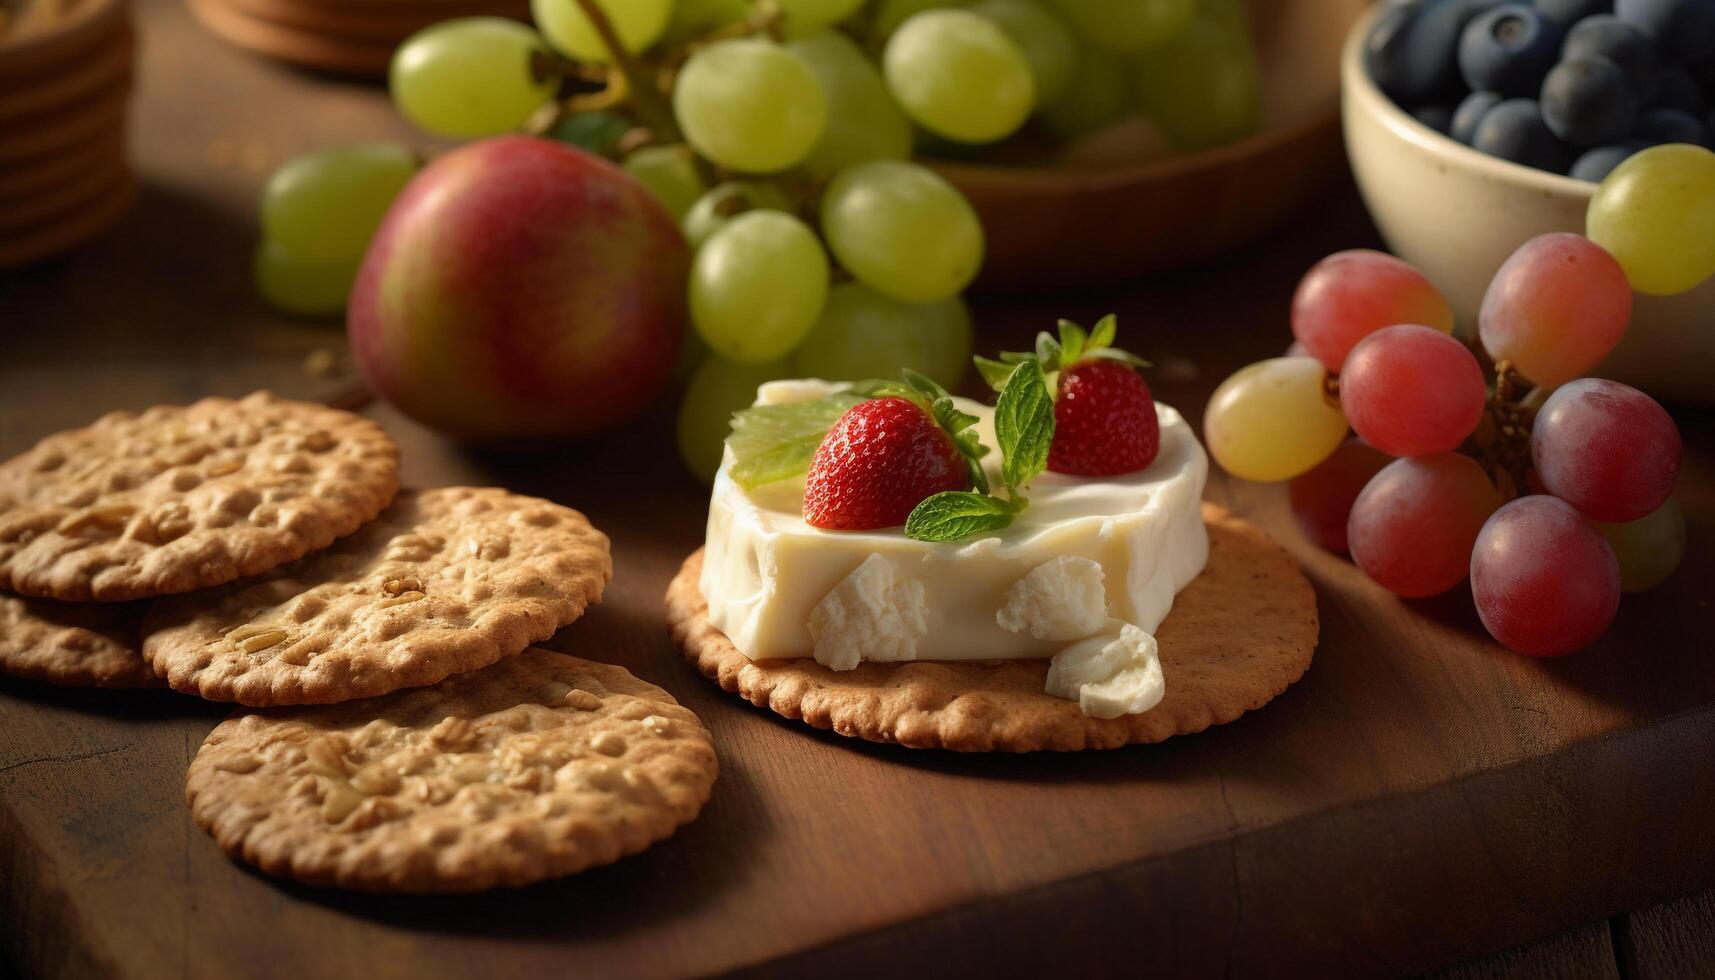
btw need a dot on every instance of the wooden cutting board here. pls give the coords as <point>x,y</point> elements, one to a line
<point>1421,796</point>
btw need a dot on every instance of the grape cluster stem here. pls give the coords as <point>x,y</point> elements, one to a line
<point>1507,455</point>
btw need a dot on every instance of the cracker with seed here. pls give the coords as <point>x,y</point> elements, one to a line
<point>539,766</point>
<point>73,644</point>
<point>178,498</point>
<point>444,581</point>
<point>1237,636</point>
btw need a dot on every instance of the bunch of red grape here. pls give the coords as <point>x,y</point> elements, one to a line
<point>1551,491</point>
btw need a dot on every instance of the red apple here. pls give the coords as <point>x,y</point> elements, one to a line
<point>521,289</point>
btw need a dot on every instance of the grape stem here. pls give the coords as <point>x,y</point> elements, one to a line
<point>647,102</point>
<point>1509,454</point>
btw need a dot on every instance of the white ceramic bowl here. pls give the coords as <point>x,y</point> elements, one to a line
<point>1457,214</point>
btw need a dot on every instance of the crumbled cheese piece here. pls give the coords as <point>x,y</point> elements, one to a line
<point>1112,674</point>
<point>1060,599</point>
<point>869,617</point>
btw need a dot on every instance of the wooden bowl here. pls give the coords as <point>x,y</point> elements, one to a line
<point>1052,227</point>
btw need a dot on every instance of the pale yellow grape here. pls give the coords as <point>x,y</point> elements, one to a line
<point>667,170</point>
<point>886,16</point>
<point>639,23</point>
<point>958,75</point>
<point>1044,38</point>
<point>864,123</point>
<point>471,76</point>
<point>750,105</point>
<point>725,202</point>
<point>803,16</point>
<point>307,287</point>
<point>865,334</point>
<point>1655,214</point>
<point>1128,26</point>
<point>326,204</point>
<point>1202,88</point>
<point>757,286</point>
<point>1099,94</point>
<point>1649,548</point>
<point>717,389</point>
<point>1272,420</point>
<point>903,230</point>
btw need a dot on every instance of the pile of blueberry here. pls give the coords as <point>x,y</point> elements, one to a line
<point>1569,86</point>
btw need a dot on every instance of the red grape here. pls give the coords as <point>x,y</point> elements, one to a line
<point>1350,295</point>
<point>1606,448</point>
<point>1545,581</point>
<point>1412,528</point>
<point>1412,391</point>
<point>1555,308</point>
<point>1322,498</point>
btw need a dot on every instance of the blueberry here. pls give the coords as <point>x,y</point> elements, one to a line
<point>1514,131</point>
<point>1600,162</point>
<point>1619,42</point>
<point>1508,49</point>
<point>1412,52</point>
<point>1569,12</point>
<point>1470,113</point>
<point>1668,126</point>
<point>1678,90</point>
<point>1588,101</point>
<point>1683,29</point>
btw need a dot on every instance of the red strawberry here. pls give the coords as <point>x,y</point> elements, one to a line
<point>881,459</point>
<point>1104,421</point>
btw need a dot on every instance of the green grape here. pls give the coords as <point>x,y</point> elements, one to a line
<point>864,123</point>
<point>1655,214</point>
<point>1202,88</point>
<point>903,230</point>
<point>717,389</point>
<point>692,19</point>
<point>726,201</point>
<point>757,286</point>
<point>472,76</point>
<point>804,16</point>
<point>326,205</point>
<point>889,14</point>
<point>1128,26</point>
<point>958,75</point>
<point>865,334</point>
<point>1099,94</point>
<point>1043,36</point>
<point>670,174</point>
<point>307,287</point>
<point>1649,548</point>
<point>1273,420</point>
<point>750,105</point>
<point>639,23</point>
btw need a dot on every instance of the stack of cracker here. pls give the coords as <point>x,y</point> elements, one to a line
<point>345,37</point>
<point>261,552</point>
<point>65,83</point>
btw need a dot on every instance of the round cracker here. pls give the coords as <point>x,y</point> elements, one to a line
<point>1238,635</point>
<point>445,581</point>
<point>537,767</point>
<point>73,644</point>
<point>180,498</point>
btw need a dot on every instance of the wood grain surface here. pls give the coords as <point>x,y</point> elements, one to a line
<point>1421,797</point>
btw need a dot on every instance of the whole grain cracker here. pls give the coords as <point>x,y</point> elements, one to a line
<point>180,498</point>
<point>539,766</point>
<point>73,644</point>
<point>444,581</point>
<point>1237,636</point>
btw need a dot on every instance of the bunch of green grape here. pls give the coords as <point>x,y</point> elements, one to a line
<point>780,133</point>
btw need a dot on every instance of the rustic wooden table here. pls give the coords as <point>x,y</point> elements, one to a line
<point>1421,797</point>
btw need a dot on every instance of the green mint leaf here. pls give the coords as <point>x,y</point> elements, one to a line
<point>955,514</point>
<point>995,373</point>
<point>1024,425</point>
<point>1047,349</point>
<point>1072,342</point>
<point>1103,334</point>
<point>777,442</point>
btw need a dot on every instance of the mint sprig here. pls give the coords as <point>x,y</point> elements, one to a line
<point>1024,427</point>
<point>777,442</point>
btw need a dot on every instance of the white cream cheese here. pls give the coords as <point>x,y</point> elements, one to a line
<point>1085,553</point>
